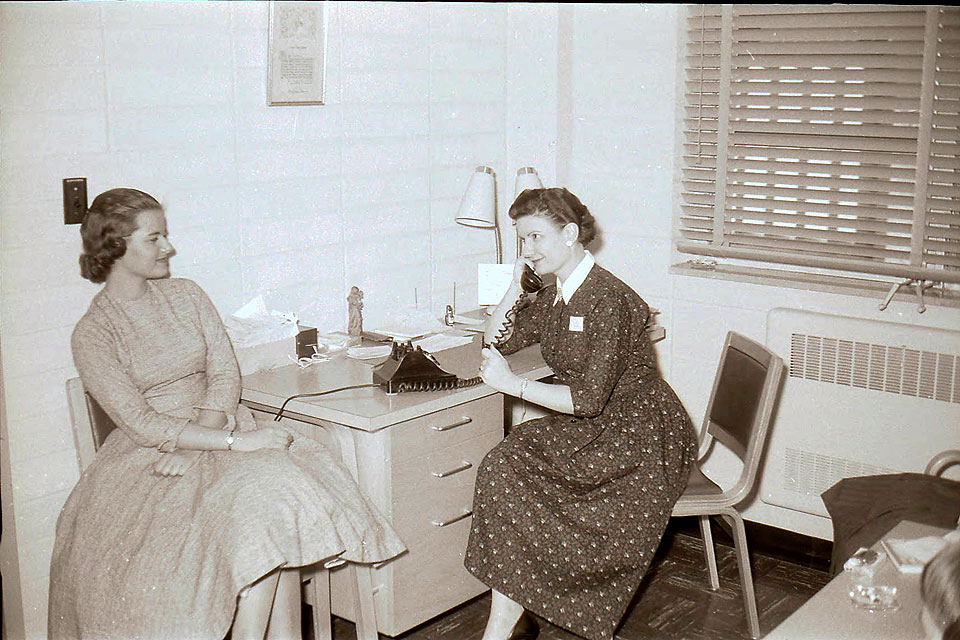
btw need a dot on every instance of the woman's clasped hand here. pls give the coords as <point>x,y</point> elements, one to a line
<point>262,438</point>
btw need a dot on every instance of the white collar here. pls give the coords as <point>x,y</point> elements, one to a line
<point>568,287</point>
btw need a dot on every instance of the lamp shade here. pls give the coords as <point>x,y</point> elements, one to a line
<point>527,178</point>
<point>478,207</point>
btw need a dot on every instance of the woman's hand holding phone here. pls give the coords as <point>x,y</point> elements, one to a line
<point>495,371</point>
<point>518,268</point>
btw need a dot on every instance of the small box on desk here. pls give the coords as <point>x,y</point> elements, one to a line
<point>306,341</point>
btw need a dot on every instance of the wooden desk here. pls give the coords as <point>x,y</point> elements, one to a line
<point>415,456</point>
<point>830,614</point>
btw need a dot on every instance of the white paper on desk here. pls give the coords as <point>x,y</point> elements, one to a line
<point>493,280</point>
<point>409,323</point>
<point>441,341</point>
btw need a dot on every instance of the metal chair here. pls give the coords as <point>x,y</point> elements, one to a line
<point>92,425</point>
<point>942,461</point>
<point>738,415</point>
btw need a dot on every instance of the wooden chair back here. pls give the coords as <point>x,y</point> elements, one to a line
<point>91,424</point>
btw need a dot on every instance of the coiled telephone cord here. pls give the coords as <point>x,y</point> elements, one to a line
<point>437,385</point>
<point>422,385</point>
<point>509,318</point>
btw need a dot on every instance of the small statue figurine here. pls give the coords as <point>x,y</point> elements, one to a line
<point>355,317</point>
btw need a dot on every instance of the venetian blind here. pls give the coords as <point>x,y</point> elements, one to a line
<point>824,136</point>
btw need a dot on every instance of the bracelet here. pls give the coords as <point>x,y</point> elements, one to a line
<point>523,387</point>
<point>230,439</point>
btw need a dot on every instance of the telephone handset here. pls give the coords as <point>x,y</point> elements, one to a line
<point>530,282</point>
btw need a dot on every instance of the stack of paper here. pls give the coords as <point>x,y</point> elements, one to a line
<point>910,556</point>
<point>409,324</point>
<point>441,341</point>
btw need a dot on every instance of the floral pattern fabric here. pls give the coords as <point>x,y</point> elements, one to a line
<point>569,509</point>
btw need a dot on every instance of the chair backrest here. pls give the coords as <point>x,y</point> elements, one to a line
<point>942,461</point>
<point>91,424</point>
<point>742,402</point>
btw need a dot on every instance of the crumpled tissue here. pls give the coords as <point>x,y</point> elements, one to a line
<point>261,339</point>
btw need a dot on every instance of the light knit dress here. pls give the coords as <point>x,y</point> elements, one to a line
<point>139,555</point>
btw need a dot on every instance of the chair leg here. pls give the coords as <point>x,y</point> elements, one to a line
<point>366,611</point>
<point>319,590</point>
<point>746,576</point>
<point>709,551</point>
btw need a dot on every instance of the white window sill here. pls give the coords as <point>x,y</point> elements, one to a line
<point>845,285</point>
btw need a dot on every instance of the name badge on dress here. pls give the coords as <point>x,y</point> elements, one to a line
<point>576,323</point>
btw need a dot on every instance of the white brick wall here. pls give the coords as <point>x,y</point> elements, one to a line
<point>296,203</point>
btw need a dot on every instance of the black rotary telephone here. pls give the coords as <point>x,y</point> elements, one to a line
<point>411,368</point>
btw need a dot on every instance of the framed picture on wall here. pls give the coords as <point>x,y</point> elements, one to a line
<point>297,51</point>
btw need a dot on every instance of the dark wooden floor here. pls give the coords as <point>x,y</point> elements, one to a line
<point>673,603</point>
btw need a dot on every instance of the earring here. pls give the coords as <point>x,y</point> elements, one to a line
<point>569,243</point>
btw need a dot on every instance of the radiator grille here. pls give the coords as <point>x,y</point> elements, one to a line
<point>811,474</point>
<point>908,372</point>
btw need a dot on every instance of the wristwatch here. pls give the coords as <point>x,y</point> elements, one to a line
<point>230,440</point>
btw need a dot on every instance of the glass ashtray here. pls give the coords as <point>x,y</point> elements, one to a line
<point>875,597</point>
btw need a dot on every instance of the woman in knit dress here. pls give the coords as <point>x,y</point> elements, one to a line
<point>191,522</point>
<point>569,508</point>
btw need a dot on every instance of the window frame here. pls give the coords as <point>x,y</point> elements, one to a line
<point>792,267</point>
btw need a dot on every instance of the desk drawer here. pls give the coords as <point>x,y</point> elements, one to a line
<point>433,491</point>
<point>447,428</point>
<point>432,513</point>
<point>431,578</point>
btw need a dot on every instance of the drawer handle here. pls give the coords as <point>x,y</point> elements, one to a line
<point>463,467</point>
<point>458,423</point>
<point>447,523</point>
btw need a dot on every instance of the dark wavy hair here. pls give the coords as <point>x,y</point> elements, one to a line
<point>111,216</point>
<point>559,205</point>
<point>940,589</point>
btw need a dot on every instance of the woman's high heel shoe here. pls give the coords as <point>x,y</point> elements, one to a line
<point>526,628</point>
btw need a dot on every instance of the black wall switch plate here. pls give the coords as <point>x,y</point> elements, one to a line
<point>74,200</point>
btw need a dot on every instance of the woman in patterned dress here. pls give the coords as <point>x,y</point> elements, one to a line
<point>191,521</point>
<point>569,508</point>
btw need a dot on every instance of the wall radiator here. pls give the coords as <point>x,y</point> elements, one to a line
<point>861,397</point>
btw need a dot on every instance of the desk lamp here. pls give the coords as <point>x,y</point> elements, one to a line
<point>527,178</point>
<point>478,207</point>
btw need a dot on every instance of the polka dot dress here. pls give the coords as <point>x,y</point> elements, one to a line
<point>569,509</point>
